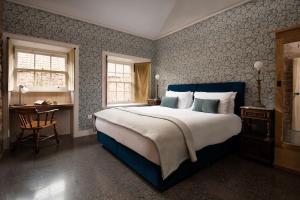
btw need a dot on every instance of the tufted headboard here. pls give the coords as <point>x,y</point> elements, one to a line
<point>238,87</point>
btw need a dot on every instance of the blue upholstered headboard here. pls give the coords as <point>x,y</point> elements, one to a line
<point>238,87</point>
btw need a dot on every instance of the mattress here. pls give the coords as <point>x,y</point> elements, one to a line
<point>206,128</point>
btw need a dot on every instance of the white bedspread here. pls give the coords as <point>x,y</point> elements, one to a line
<point>206,129</point>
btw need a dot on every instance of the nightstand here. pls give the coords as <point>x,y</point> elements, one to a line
<point>257,137</point>
<point>154,102</point>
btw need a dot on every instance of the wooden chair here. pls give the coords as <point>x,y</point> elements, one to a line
<point>33,119</point>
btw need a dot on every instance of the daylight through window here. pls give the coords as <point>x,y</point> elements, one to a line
<point>119,83</point>
<point>41,70</point>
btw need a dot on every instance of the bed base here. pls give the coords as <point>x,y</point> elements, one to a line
<point>152,172</point>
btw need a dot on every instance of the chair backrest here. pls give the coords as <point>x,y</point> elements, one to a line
<point>31,117</point>
<point>26,116</point>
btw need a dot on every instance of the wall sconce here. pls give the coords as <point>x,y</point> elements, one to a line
<point>22,90</point>
<point>258,65</point>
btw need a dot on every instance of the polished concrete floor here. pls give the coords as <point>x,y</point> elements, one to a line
<point>82,169</point>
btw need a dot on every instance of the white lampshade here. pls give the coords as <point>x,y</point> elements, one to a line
<point>258,65</point>
<point>157,76</point>
<point>24,89</point>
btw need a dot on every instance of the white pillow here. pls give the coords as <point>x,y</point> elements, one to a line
<point>231,104</point>
<point>224,97</point>
<point>185,99</point>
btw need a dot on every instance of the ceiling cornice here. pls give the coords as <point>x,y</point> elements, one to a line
<point>122,30</point>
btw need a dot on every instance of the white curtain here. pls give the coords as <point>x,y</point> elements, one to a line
<point>296,89</point>
<point>71,69</point>
<point>10,54</point>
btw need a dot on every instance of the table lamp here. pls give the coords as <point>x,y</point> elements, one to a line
<point>258,65</point>
<point>22,90</point>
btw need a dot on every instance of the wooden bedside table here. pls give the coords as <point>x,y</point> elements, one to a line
<point>257,138</point>
<point>154,102</point>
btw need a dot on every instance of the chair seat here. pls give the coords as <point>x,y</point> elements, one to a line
<point>34,125</point>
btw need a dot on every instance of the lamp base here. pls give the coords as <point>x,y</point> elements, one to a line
<point>259,104</point>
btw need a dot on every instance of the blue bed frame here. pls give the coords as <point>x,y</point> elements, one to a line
<point>152,172</point>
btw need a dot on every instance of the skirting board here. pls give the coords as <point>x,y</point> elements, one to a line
<point>82,133</point>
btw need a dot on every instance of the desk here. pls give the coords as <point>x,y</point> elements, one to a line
<point>58,106</point>
<point>64,117</point>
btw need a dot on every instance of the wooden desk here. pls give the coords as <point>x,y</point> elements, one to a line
<point>58,106</point>
<point>64,117</point>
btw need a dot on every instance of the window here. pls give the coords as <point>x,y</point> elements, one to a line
<point>119,83</point>
<point>41,71</point>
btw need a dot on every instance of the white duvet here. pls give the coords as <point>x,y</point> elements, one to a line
<point>205,128</point>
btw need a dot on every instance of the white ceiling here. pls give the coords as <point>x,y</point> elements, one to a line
<point>150,19</point>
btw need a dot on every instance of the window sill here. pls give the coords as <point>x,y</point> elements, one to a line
<point>126,105</point>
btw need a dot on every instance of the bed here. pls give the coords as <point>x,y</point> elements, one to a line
<point>142,155</point>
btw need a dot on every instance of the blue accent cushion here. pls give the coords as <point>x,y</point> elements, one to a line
<point>170,102</point>
<point>206,105</point>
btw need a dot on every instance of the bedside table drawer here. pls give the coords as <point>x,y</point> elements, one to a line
<point>255,114</point>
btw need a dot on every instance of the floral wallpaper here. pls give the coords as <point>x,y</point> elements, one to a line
<point>1,97</point>
<point>225,47</point>
<point>221,48</point>
<point>92,40</point>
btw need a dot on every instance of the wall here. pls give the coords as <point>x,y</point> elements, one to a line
<point>1,89</point>
<point>225,47</point>
<point>92,40</point>
<point>221,48</point>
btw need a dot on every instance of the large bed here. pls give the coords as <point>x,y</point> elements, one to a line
<point>213,136</point>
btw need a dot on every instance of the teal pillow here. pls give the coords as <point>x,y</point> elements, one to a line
<point>206,105</point>
<point>198,105</point>
<point>170,102</point>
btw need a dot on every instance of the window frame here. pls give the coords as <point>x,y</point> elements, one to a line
<point>41,52</point>
<point>132,83</point>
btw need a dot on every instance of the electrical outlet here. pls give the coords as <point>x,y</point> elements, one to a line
<point>90,116</point>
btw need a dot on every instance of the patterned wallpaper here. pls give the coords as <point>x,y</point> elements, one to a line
<point>225,47</point>
<point>92,40</point>
<point>221,48</point>
<point>1,87</point>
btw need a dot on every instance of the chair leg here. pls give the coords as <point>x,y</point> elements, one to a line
<point>36,141</point>
<point>19,138</point>
<point>56,134</point>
